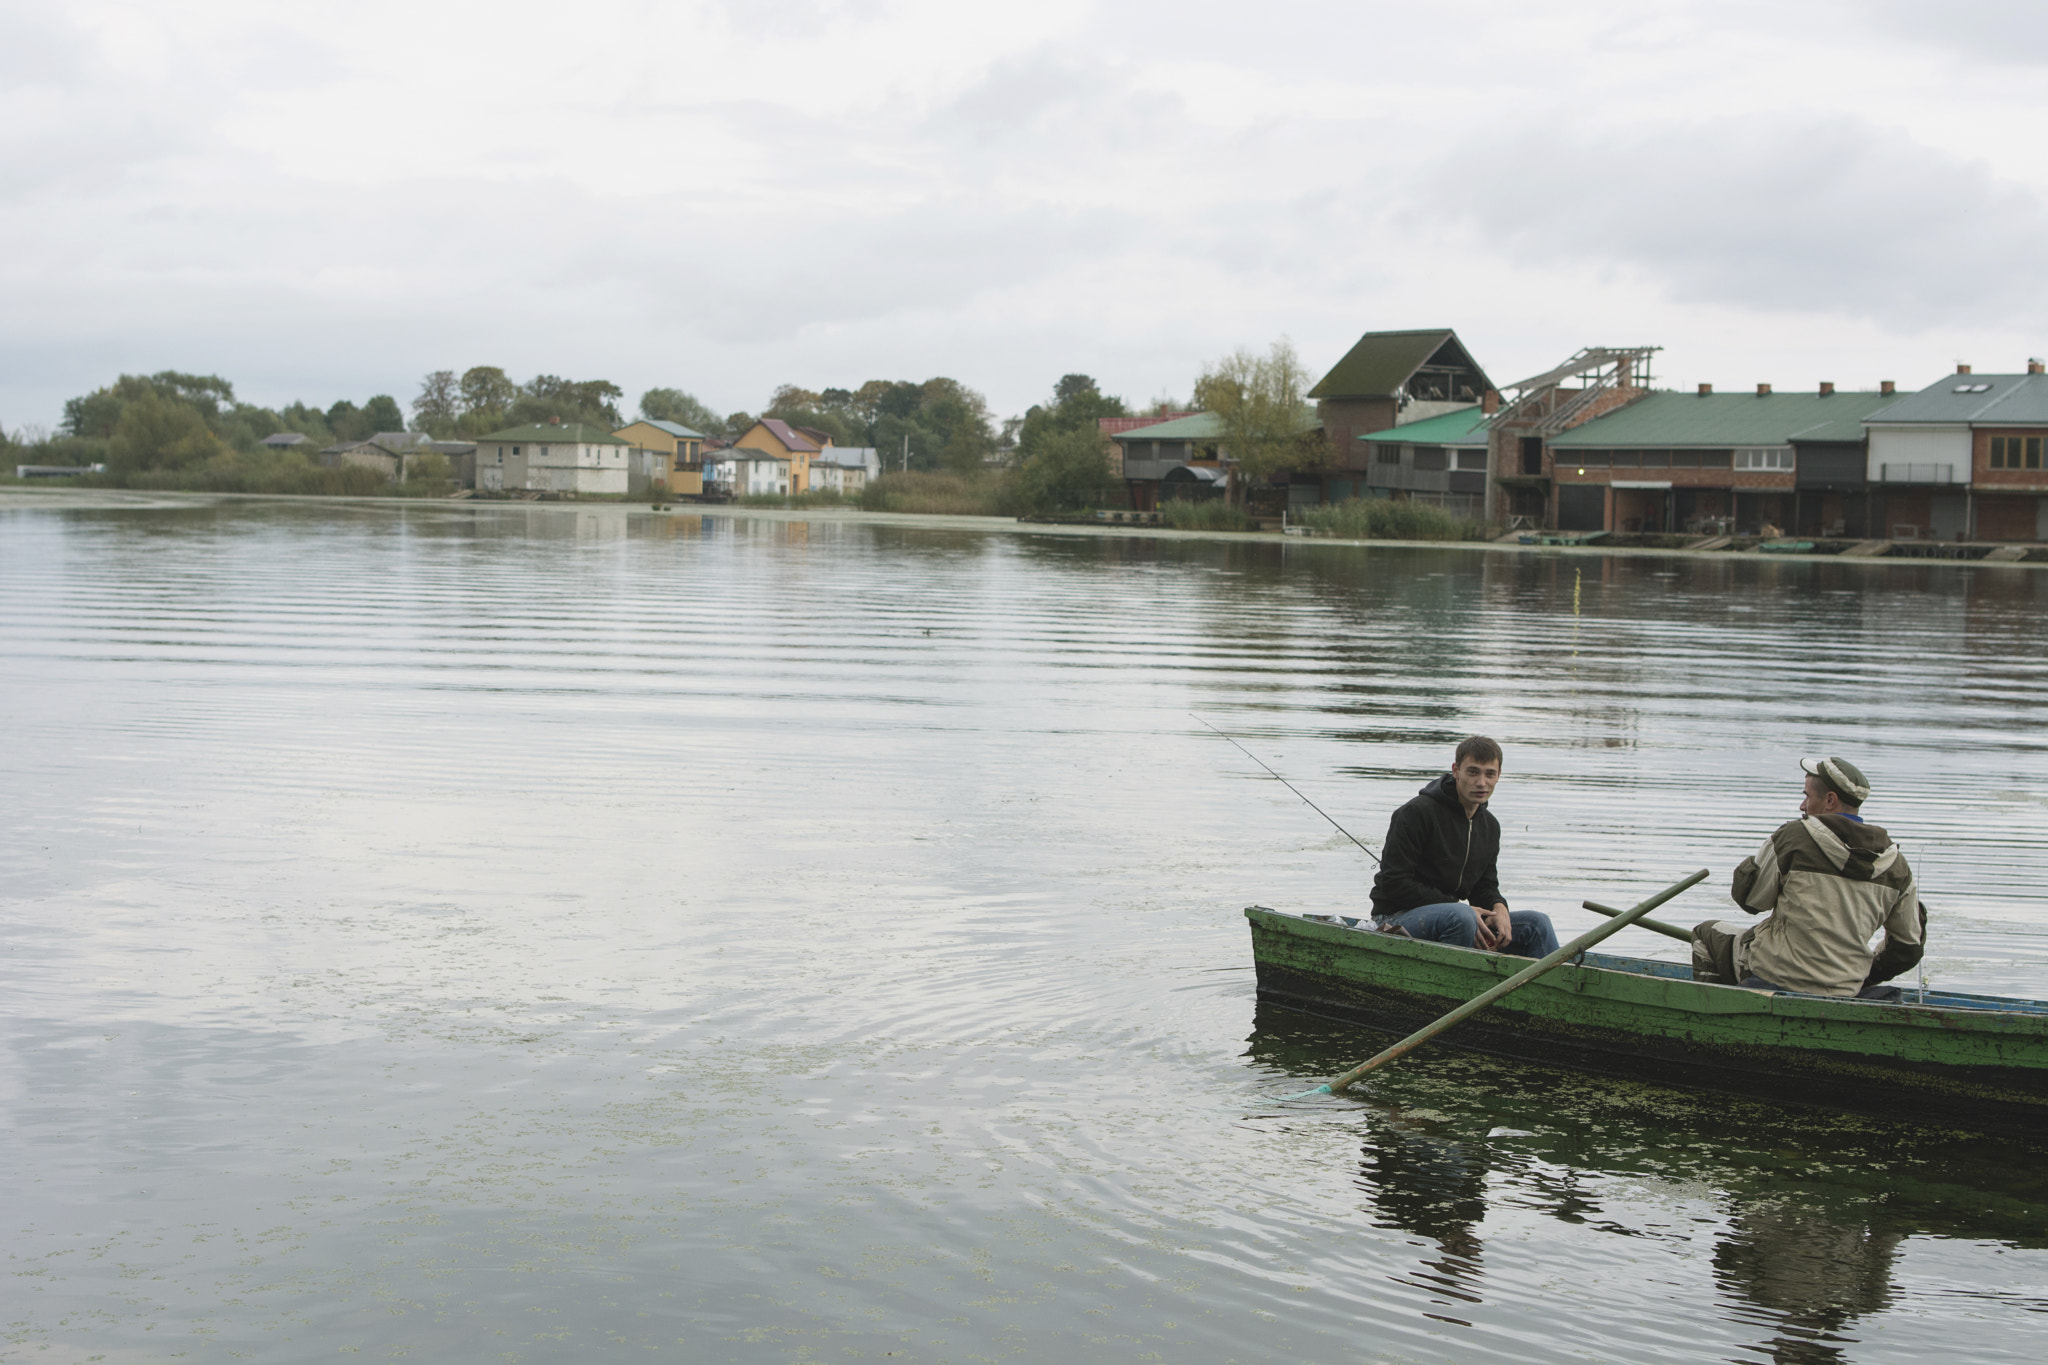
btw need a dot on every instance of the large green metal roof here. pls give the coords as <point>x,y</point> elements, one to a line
<point>1465,427</point>
<point>556,433</point>
<point>1724,420</point>
<point>1985,400</point>
<point>1381,362</point>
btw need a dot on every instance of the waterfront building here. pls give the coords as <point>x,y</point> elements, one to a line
<point>390,453</point>
<point>1439,460</point>
<point>552,457</point>
<point>1389,379</point>
<point>738,472</point>
<point>1963,459</point>
<point>1593,382</point>
<point>841,470</point>
<point>1707,463</point>
<point>797,445</point>
<point>681,446</point>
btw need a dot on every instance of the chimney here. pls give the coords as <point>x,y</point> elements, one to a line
<point>1763,390</point>
<point>1706,390</point>
<point>1962,369</point>
<point>1887,387</point>
<point>1489,402</point>
<point>1827,390</point>
<point>2033,366</point>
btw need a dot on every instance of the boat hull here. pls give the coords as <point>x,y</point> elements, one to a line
<point>1983,1068</point>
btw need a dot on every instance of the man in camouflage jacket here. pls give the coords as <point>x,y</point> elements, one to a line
<point>1828,880</point>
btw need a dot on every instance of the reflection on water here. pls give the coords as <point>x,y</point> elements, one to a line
<point>537,932</point>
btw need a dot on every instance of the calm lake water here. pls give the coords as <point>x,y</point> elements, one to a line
<point>497,933</point>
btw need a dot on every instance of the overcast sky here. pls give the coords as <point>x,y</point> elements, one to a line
<point>327,200</point>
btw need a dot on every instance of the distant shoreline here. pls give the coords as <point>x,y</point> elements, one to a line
<point>114,499</point>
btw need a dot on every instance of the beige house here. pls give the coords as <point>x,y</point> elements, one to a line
<point>390,453</point>
<point>552,457</point>
<point>683,447</point>
<point>798,445</point>
<point>832,476</point>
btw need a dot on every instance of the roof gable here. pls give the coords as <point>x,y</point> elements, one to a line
<point>1382,364</point>
<point>676,429</point>
<point>789,436</point>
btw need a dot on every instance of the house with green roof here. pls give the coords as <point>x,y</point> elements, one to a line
<point>1439,460</point>
<point>1964,459</point>
<point>1389,379</point>
<point>1708,461</point>
<point>552,457</point>
<point>1153,459</point>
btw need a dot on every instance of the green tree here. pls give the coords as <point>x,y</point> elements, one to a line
<point>487,397</point>
<point>382,413</point>
<point>99,412</point>
<point>675,405</point>
<point>802,408</point>
<point>547,397</point>
<point>347,421</point>
<point>1077,402</point>
<point>1268,427</point>
<point>439,403</point>
<point>157,432</point>
<point>1068,471</point>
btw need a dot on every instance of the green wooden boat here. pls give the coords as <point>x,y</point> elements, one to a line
<point>1971,1061</point>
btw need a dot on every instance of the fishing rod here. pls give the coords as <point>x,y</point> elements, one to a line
<point>1296,790</point>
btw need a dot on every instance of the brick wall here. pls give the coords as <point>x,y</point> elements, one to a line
<point>1345,420</point>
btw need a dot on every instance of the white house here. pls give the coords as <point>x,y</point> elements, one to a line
<point>830,475</point>
<point>740,472</point>
<point>552,457</point>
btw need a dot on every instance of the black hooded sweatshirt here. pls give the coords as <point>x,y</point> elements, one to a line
<point>1434,854</point>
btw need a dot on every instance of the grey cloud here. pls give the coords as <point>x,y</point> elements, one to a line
<point>1998,31</point>
<point>1830,216</point>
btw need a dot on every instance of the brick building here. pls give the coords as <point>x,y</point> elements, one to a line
<point>1699,462</point>
<point>1596,381</point>
<point>1389,379</point>
<point>1963,459</point>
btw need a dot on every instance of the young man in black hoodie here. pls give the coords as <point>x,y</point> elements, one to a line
<point>1437,877</point>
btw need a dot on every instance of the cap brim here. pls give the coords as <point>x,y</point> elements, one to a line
<point>1812,765</point>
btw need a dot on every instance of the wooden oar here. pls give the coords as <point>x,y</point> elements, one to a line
<point>1668,930</point>
<point>1513,983</point>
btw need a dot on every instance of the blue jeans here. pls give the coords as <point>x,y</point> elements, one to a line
<point>1451,922</point>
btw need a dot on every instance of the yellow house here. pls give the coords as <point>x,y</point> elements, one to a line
<point>684,447</point>
<point>798,445</point>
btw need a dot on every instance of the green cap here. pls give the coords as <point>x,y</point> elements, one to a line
<point>1842,777</point>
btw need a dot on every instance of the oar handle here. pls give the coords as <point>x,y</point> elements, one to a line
<point>1668,930</point>
<point>1517,981</point>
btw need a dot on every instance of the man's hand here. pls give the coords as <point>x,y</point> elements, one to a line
<point>1495,930</point>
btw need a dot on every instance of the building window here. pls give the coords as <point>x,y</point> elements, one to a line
<point>2016,452</point>
<point>1597,459</point>
<point>1775,459</point>
<point>1387,455</point>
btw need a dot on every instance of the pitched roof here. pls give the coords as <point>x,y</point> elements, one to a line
<point>788,435</point>
<point>1979,399</point>
<point>1382,362</point>
<point>557,433</point>
<point>1664,418</point>
<point>672,428</point>
<point>399,440</point>
<point>823,438</point>
<point>1111,426</point>
<point>1200,426</point>
<point>285,438</point>
<point>1465,427</point>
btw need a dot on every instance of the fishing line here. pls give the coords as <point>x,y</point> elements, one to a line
<point>1296,790</point>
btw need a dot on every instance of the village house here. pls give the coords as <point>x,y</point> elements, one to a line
<point>1389,379</point>
<point>739,472</point>
<point>552,457</point>
<point>675,455</point>
<point>798,445</point>
<point>1963,459</point>
<point>1439,460</point>
<point>1704,462</point>
<point>285,440</point>
<point>388,452</point>
<point>1185,457</point>
<point>844,470</point>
